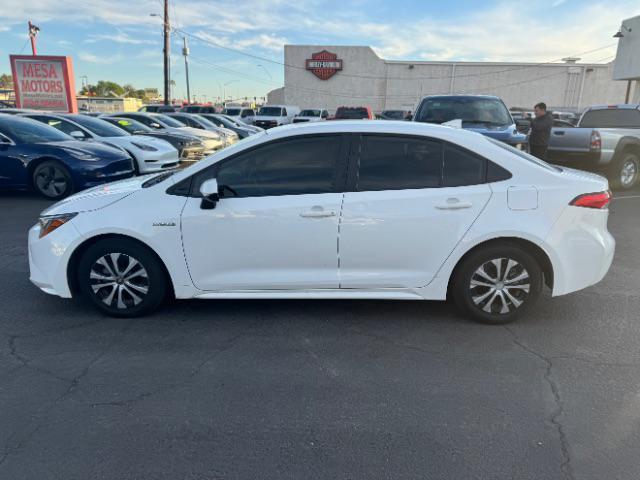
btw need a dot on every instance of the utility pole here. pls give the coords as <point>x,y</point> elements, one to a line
<point>185,52</point>
<point>167,33</point>
<point>33,32</point>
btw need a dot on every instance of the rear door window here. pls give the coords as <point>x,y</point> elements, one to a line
<point>397,163</point>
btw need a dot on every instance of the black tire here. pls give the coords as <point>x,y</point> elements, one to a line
<point>51,179</point>
<point>136,289</point>
<point>498,304</point>
<point>625,171</point>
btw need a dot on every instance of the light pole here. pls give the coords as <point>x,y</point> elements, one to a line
<point>185,52</point>
<point>166,33</point>
<point>224,91</point>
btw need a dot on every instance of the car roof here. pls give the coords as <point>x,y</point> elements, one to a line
<point>493,97</point>
<point>373,126</point>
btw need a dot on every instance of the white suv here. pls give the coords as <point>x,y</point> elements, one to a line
<point>334,210</point>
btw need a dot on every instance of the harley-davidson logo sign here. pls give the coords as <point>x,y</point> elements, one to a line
<point>324,65</point>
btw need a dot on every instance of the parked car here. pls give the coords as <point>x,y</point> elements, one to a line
<point>194,120</point>
<point>240,114</point>
<point>150,154</point>
<point>311,115</point>
<point>270,116</point>
<point>426,212</point>
<point>237,123</point>
<point>606,140</point>
<point>159,108</point>
<point>189,148</point>
<point>242,130</point>
<point>17,111</point>
<point>353,113</point>
<point>39,157</point>
<point>198,109</point>
<point>158,121</point>
<point>484,114</point>
<point>395,115</point>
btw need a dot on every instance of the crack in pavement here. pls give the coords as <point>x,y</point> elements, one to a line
<point>73,384</point>
<point>194,372</point>
<point>565,467</point>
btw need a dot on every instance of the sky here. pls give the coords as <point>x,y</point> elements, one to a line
<point>120,40</point>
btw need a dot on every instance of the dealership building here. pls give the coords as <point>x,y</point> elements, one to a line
<point>331,76</point>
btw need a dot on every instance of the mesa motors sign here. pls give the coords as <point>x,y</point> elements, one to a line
<point>44,83</point>
<point>324,64</point>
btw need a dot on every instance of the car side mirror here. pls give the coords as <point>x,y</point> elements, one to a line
<point>154,125</point>
<point>210,194</point>
<point>78,135</point>
<point>523,126</point>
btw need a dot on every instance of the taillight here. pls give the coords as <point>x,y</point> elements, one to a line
<point>592,200</point>
<point>596,141</point>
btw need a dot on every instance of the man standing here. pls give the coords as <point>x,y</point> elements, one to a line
<point>540,131</point>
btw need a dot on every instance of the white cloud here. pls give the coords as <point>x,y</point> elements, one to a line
<point>100,59</point>
<point>119,37</point>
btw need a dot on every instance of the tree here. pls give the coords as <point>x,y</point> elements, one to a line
<point>6,81</point>
<point>104,88</point>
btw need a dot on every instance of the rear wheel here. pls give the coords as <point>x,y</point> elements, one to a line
<point>52,180</point>
<point>498,284</point>
<point>122,278</point>
<point>625,171</point>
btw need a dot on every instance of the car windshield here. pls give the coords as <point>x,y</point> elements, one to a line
<point>205,121</point>
<point>97,126</point>
<point>232,111</point>
<point>484,111</point>
<point>310,113</point>
<point>352,113</point>
<point>270,111</point>
<point>217,120</point>
<point>524,155</point>
<point>22,130</point>
<point>395,114</point>
<point>232,120</point>
<point>128,125</point>
<point>167,120</point>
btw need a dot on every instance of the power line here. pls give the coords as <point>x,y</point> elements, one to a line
<point>374,77</point>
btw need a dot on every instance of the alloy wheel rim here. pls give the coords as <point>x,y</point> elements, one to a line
<point>500,286</point>
<point>119,280</point>
<point>51,181</point>
<point>629,172</point>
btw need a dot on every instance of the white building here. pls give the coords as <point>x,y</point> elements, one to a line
<point>357,76</point>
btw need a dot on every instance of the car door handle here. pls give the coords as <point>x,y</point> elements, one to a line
<point>558,132</point>
<point>454,204</point>
<point>318,212</point>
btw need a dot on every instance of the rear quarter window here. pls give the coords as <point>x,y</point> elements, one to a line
<point>611,118</point>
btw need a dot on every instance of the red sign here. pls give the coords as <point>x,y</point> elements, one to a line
<point>324,65</point>
<point>44,83</point>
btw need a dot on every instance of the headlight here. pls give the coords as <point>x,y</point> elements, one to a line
<point>146,148</point>
<point>80,155</point>
<point>50,222</point>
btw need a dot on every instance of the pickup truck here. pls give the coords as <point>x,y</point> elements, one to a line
<point>606,140</point>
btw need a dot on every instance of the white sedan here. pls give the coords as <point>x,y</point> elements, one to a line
<point>334,210</point>
<point>149,154</point>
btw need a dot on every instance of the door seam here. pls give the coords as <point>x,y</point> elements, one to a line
<point>338,238</point>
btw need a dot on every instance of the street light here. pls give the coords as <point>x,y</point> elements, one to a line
<point>266,71</point>
<point>224,90</point>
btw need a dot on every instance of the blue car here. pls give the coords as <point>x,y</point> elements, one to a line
<point>484,114</point>
<point>34,155</point>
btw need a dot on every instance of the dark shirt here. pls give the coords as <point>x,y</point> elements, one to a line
<point>541,130</point>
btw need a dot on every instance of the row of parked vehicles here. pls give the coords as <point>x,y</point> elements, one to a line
<point>57,154</point>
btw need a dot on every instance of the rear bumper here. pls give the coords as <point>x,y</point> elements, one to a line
<point>582,247</point>
<point>49,257</point>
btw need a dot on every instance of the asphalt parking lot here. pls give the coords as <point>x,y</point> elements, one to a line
<point>319,390</point>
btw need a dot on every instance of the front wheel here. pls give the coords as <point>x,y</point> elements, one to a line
<point>122,278</point>
<point>52,180</point>
<point>498,284</point>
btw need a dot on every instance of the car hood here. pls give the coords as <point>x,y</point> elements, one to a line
<point>200,133</point>
<point>94,148</point>
<point>97,197</point>
<point>126,142</point>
